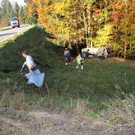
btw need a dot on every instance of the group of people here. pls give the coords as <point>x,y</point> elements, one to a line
<point>78,59</point>
<point>35,76</point>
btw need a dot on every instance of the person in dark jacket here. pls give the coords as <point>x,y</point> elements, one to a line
<point>67,56</point>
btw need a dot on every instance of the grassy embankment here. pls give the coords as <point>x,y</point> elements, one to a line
<point>103,90</point>
<point>4,28</point>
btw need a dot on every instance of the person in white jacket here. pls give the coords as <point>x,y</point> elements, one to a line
<point>34,75</point>
<point>29,61</point>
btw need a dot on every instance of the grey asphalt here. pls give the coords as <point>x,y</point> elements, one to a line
<point>7,34</point>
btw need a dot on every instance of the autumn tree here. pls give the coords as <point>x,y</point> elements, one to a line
<point>31,12</point>
<point>91,23</point>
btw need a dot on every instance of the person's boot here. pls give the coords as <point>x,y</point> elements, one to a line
<point>81,66</point>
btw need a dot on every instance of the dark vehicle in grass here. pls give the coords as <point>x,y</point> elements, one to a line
<point>14,22</point>
<point>94,53</point>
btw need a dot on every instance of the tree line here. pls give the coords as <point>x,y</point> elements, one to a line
<point>82,23</point>
<point>9,10</point>
<point>94,23</point>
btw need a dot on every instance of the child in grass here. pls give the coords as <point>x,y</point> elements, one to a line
<point>67,56</point>
<point>79,61</point>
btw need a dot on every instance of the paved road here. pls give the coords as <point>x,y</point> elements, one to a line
<point>6,34</point>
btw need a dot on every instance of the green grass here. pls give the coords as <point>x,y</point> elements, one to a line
<point>2,28</point>
<point>97,89</point>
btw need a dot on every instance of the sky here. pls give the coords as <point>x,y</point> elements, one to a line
<point>20,2</point>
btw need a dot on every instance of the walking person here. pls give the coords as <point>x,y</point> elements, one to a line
<point>34,76</point>
<point>79,61</point>
<point>67,56</point>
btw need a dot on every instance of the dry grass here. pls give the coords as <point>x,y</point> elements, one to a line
<point>122,61</point>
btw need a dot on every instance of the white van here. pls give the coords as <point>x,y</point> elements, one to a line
<point>14,22</point>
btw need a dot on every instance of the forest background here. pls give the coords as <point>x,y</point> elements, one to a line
<point>80,23</point>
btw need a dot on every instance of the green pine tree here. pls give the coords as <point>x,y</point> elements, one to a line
<point>16,9</point>
<point>26,1</point>
<point>7,11</point>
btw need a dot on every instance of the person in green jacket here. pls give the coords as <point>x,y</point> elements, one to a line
<point>79,61</point>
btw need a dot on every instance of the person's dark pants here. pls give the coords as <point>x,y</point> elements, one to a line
<point>67,58</point>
